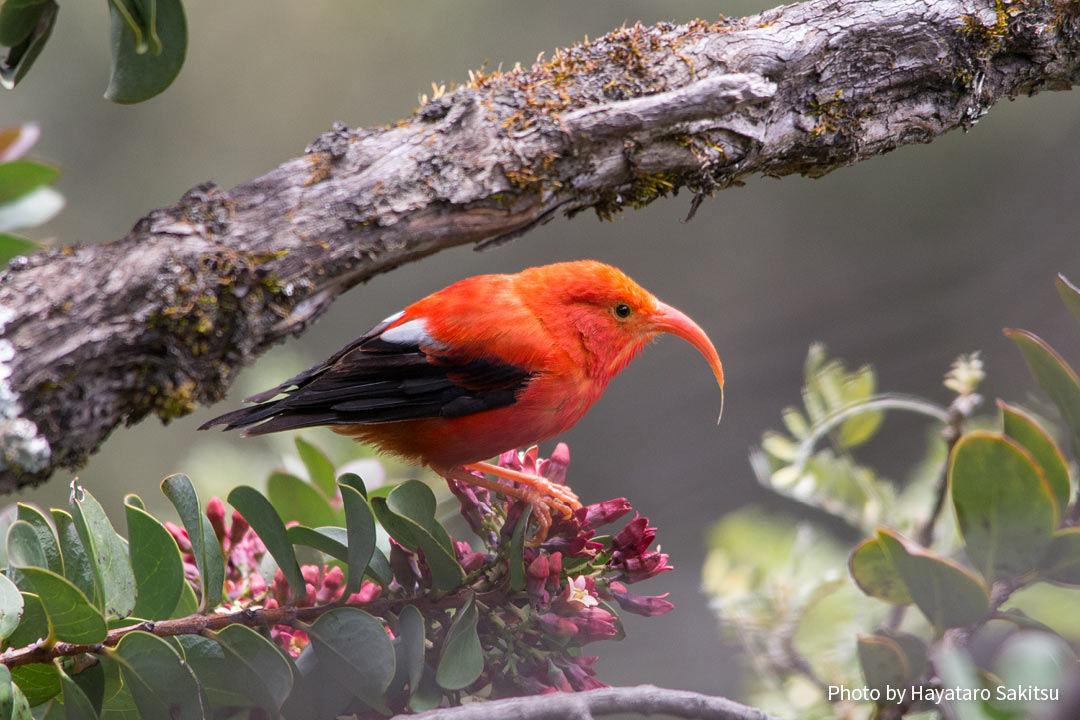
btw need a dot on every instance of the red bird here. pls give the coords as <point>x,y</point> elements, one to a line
<point>491,363</point>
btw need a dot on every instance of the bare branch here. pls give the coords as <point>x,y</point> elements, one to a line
<point>162,319</point>
<point>643,699</point>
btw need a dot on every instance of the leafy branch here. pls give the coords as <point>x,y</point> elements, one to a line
<point>216,617</point>
<point>1012,494</point>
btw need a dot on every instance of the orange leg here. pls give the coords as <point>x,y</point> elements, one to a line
<point>542,504</point>
<point>541,484</point>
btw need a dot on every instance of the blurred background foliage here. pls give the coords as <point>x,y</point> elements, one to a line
<point>902,262</point>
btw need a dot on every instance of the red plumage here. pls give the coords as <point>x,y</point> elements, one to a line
<point>490,363</point>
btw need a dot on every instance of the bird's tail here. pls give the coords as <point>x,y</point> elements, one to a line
<point>266,418</point>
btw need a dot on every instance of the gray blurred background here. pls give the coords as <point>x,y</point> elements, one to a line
<point>903,262</point>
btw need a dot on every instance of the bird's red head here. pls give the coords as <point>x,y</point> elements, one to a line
<point>613,315</point>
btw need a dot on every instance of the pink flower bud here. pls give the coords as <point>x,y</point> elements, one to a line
<point>180,536</point>
<point>599,514</point>
<point>237,529</point>
<point>332,583</point>
<point>556,625</point>
<point>215,512</point>
<point>647,605</point>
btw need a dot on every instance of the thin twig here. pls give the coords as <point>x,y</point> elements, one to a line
<point>642,699</point>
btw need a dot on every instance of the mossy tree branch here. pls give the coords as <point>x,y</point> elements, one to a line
<point>162,319</point>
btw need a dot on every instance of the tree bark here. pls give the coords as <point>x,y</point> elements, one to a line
<point>163,318</point>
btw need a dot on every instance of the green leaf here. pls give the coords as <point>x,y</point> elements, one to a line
<point>354,649</point>
<point>156,562</point>
<point>13,703</point>
<point>121,707</point>
<point>1026,432</point>
<point>883,663</point>
<point>108,555</point>
<point>379,567</point>
<point>18,19</point>
<point>188,603</point>
<point>1005,509</point>
<point>24,547</point>
<point>297,500</point>
<point>330,540</point>
<point>21,56</point>
<point>320,469</point>
<point>411,632</point>
<point>462,658</point>
<point>77,566</point>
<point>1054,376</point>
<point>73,618</point>
<point>137,75</point>
<point>315,698</point>
<point>1061,564</point>
<point>204,543</point>
<point>93,681</point>
<point>76,705</point>
<point>11,607</point>
<point>206,658</point>
<point>49,544</point>
<point>161,683</point>
<point>38,682</point>
<point>915,653</point>
<point>33,625</point>
<point>264,520</point>
<point>257,667</point>
<point>12,245</point>
<point>360,525</point>
<point>517,551</point>
<point>21,177</point>
<point>875,574</point>
<point>947,594</point>
<point>408,514</point>
<point>1070,295</point>
<point>355,482</point>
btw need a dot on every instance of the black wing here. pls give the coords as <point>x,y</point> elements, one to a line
<point>378,379</point>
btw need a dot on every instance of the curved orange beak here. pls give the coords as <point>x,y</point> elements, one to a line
<point>669,320</point>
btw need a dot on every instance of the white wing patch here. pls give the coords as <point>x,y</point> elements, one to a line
<point>410,333</point>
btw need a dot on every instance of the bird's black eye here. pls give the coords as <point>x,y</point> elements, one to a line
<point>622,310</point>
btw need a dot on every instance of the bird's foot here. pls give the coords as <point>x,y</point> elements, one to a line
<point>540,484</point>
<point>536,493</point>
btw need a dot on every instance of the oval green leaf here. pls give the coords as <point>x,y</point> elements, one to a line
<point>76,705</point>
<point>1061,564</point>
<point>18,18</point>
<point>11,607</point>
<point>77,566</point>
<point>947,594</point>
<point>21,177</point>
<point>462,658</point>
<point>882,662</point>
<point>161,683</point>
<point>360,526</point>
<point>257,668</point>
<point>411,632</point>
<point>875,574</point>
<point>204,543</point>
<point>19,59</point>
<point>330,540</point>
<point>206,658</point>
<point>1070,295</point>
<point>445,569</point>
<point>108,555</point>
<point>354,649</point>
<point>13,704</point>
<point>266,523</point>
<point>38,682</point>
<point>1022,428</point>
<point>73,618</point>
<point>1005,509</point>
<point>320,469</point>
<point>297,500</point>
<point>49,544</point>
<point>1054,376</point>
<point>156,562</point>
<point>33,625</point>
<point>24,547</point>
<point>137,74</point>
<point>517,551</point>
